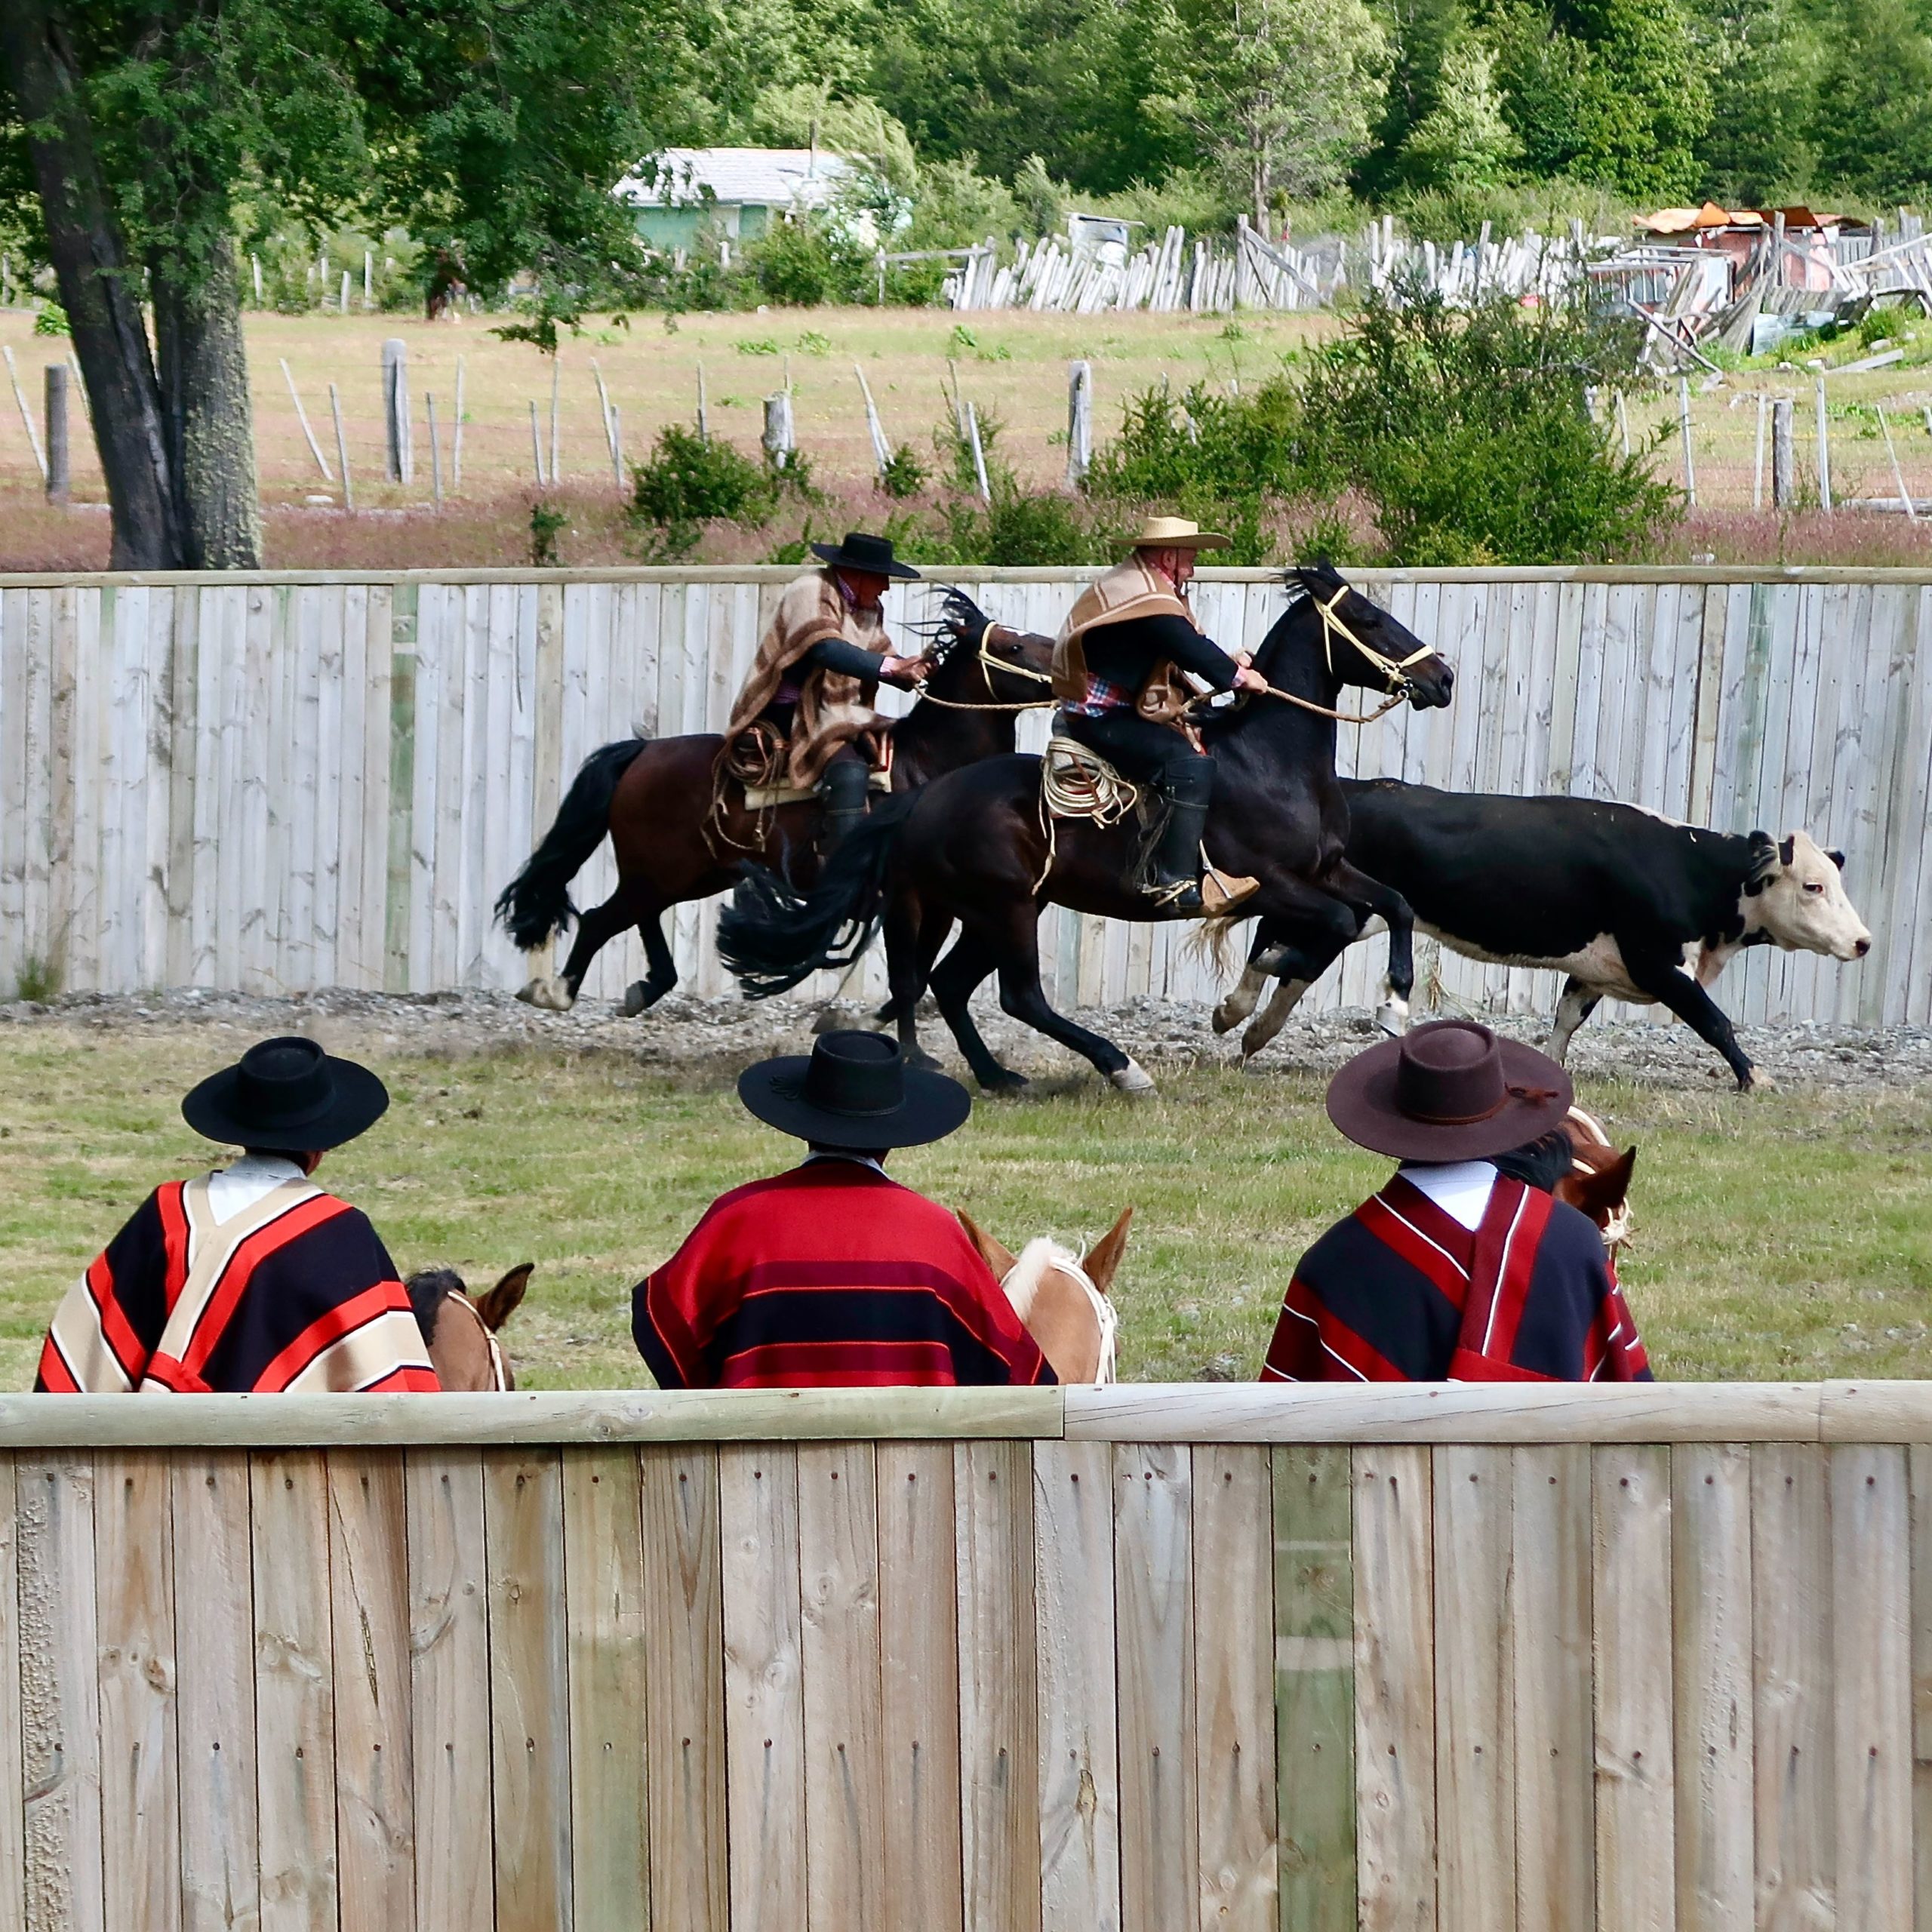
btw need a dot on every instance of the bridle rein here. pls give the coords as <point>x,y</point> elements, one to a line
<point>1394,671</point>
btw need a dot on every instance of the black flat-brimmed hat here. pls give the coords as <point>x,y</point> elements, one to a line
<point>289,1096</point>
<point>855,1091</point>
<point>1450,1090</point>
<point>860,552</point>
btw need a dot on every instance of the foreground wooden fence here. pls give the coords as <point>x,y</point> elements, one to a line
<point>1147,1659</point>
<point>278,784</point>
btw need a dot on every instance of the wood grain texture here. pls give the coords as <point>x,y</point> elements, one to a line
<point>998,1707</point>
<point>1919,1476</point>
<point>449,1647</point>
<point>610,1775</point>
<point>295,1726</point>
<point>529,1690</point>
<point>684,1697</point>
<point>12,1797</point>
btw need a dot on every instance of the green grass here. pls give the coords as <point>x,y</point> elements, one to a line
<point>1789,1235</point>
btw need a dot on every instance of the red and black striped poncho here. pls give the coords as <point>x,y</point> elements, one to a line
<point>830,1276</point>
<point>294,1294</point>
<point>1402,1291</point>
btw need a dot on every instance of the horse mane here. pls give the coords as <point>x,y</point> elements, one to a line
<point>428,1289</point>
<point>1022,1283</point>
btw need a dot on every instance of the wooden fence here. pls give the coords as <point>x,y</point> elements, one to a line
<point>1439,1659</point>
<point>277,784</point>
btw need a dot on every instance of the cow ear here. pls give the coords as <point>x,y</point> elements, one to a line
<point>506,1297</point>
<point>1002,1260</point>
<point>1787,849</point>
<point>1837,859</point>
<point>1102,1261</point>
<point>1764,865</point>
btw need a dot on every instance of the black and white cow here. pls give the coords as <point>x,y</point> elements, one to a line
<point>1629,904</point>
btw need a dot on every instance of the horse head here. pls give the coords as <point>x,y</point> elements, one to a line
<point>1360,643</point>
<point>461,1334</point>
<point>1598,1181</point>
<point>1063,1299</point>
<point>977,661</point>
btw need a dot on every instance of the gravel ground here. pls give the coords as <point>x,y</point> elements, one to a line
<point>706,1034</point>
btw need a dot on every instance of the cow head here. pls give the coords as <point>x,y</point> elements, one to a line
<point>1796,896</point>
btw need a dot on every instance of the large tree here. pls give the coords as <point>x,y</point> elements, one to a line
<point>493,131</point>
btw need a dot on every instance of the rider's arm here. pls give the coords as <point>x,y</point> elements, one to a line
<point>1175,638</point>
<point>834,654</point>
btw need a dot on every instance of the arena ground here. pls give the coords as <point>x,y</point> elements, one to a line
<point>1787,1234</point>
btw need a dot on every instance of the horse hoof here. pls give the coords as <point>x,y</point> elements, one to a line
<point>1227,1016</point>
<point>547,996</point>
<point>640,996</point>
<point>829,1019</point>
<point>918,1057</point>
<point>1004,1081</point>
<point>1757,1081</point>
<point>1133,1080</point>
<point>1392,1017</point>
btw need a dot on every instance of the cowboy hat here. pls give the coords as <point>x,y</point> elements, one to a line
<point>860,552</point>
<point>1450,1090</point>
<point>855,1091</point>
<point>289,1096</point>
<point>1176,532</point>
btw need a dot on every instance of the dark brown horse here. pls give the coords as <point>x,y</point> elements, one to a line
<point>972,847</point>
<point>676,838</point>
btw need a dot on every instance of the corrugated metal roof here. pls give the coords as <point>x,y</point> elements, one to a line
<point>767,177</point>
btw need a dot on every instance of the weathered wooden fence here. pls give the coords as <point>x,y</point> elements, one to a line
<point>278,784</point>
<point>1479,1659</point>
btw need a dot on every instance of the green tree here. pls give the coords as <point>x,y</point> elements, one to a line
<point>1873,117</point>
<point>1421,35</point>
<point>1465,140</point>
<point>1764,59</point>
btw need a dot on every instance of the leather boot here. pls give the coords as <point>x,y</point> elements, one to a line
<point>845,785</point>
<point>1177,882</point>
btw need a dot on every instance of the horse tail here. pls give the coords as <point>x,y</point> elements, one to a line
<point>1209,941</point>
<point>536,904</point>
<point>772,935</point>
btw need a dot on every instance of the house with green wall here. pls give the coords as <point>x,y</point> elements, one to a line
<point>731,194</point>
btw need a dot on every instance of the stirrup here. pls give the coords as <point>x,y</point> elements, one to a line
<point>1222,892</point>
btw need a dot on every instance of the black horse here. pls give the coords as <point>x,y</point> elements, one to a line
<point>973,847</point>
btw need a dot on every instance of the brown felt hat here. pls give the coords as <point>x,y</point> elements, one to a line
<point>1450,1090</point>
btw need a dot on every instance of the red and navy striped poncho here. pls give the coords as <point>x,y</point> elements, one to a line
<point>295,1294</point>
<point>830,1276</point>
<point>1402,1291</point>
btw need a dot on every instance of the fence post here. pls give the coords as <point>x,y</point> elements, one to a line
<point>1758,459</point>
<point>881,449</point>
<point>1079,422</point>
<point>1824,455</point>
<point>979,453</point>
<point>455,433</point>
<point>58,478</point>
<point>703,408</point>
<point>395,409</point>
<point>342,451</point>
<point>777,439</point>
<point>1683,424</point>
<point>1784,453</point>
<point>436,451</point>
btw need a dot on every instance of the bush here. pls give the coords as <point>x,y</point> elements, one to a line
<point>805,263</point>
<point>904,475</point>
<point>687,482</point>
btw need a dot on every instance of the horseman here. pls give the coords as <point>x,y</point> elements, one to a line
<point>1117,671</point>
<point>809,697</point>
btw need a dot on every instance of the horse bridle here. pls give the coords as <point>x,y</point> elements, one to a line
<point>1394,671</point>
<point>988,664</point>
<point>499,1373</point>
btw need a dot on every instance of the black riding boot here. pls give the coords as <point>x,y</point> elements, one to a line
<point>1187,789</point>
<point>845,785</point>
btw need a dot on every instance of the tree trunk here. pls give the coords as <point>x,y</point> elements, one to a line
<point>205,395</point>
<point>98,289</point>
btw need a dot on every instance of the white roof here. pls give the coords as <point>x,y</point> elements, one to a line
<point>769,177</point>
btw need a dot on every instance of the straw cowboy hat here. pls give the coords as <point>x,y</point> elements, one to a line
<point>1450,1090</point>
<point>1176,532</point>
<point>855,1091</point>
<point>287,1095</point>
<point>860,552</point>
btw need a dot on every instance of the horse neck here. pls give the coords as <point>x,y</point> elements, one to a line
<point>941,738</point>
<point>1292,660</point>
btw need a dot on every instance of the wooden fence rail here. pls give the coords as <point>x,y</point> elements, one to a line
<point>277,783</point>
<point>968,1662</point>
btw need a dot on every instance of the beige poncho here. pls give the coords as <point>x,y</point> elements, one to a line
<point>1134,588</point>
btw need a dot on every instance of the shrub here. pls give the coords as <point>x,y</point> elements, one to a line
<point>38,979</point>
<point>904,475</point>
<point>547,523</point>
<point>689,481</point>
<point>51,320</point>
<point>807,262</point>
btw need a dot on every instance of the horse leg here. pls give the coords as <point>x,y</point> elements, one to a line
<point>907,967</point>
<point>1304,943</point>
<point>1238,1005</point>
<point>1021,995</point>
<point>594,930</point>
<point>954,981</point>
<point>1354,888</point>
<point>1575,1006</point>
<point>660,969</point>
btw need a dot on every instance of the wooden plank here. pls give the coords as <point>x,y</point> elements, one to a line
<point>13,1796</point>
<point>1872,1668</point>
<point>296,1774</point>
<point>134,1594</point>
<point>369,1623</point>
<point>604,1594</point>
<point>1234,1686</point>
<point>1796,1809</point>
<point>683,1703</point>
<point>1550,1620</point>
<point>839,1598</point>
<point>919,1621</point>
<point>345,861</point>
<point>1475,1736</point>
<point>1315,1688</point>
<point>765,1724</point>
<point>529,1690</point>
<point>1710,1526</point>
<point>1919,1471</point>
<point>998,1709</point>
<point>1154,1590</point>
<point>1395,1690</point>
<point>215,1713</point>
<point>449,1645</point>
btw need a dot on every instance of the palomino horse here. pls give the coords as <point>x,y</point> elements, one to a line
<point>1598,1181</point>
<point>1063,1299</point>
<point>973,847</point>
<point>461,1334</point>
<point>678,836</point>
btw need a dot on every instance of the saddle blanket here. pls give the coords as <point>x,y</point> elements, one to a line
<point>763,797</point>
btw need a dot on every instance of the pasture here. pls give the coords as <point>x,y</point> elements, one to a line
<point>1785,1236</point>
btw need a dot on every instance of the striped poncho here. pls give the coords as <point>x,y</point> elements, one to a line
<point>830,1276</point>
<point>293,1293</point>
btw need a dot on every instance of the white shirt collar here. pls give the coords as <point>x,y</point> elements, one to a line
<point>1461,1188</point>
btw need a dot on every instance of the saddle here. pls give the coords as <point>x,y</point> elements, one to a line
<point>756,758</point>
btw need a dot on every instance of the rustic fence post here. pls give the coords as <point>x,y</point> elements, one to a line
<point>979,453</point>
<point>455,433</point>
<point>1757,459</point>
<point>1824,455</point>
<point>1784,453</point>
<point>777,439</point>
<point>1683,424</point>
<point>395,409</point>
<point>1079,422</point>
<point>342,451</point>
<point>436,451</point>
<point>881,449</point>
<point>58,477</point>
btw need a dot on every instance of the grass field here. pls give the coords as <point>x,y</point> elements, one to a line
<point>1789,1235</point>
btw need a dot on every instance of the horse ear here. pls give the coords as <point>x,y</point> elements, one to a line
<point>1002,1260</point>
<point>1102,1261</point>
<point>502,1301</point>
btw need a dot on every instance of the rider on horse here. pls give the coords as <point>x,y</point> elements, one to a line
<point>818,667</point>
<point>1117,663</point>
